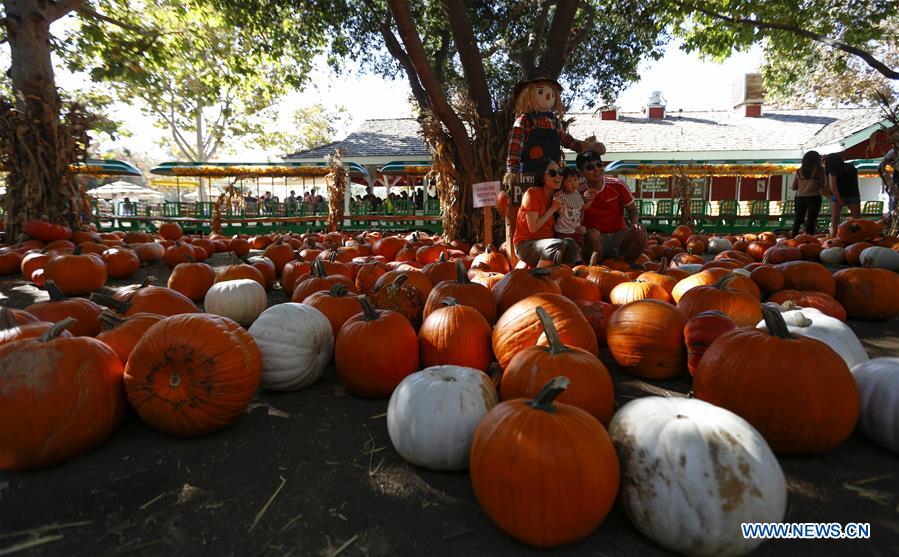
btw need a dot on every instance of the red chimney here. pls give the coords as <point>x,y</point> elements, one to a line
<point>610,113</point>
<point>655,106</point>
<point>749,94</point>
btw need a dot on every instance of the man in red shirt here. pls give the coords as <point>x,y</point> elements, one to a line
<point>607,232</point>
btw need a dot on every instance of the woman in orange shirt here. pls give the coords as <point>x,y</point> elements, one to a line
<point>533,238</point>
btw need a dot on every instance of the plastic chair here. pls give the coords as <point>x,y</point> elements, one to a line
<point>873,209</point>
<point>787,213</point>
<point>727,215</point>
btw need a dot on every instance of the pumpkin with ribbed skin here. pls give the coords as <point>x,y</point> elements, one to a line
<point>455,334</point>
<point>868,293</point>
<point>821,302</point>
<point>388,247</point>
<point>368,276</point>
<point>123,334</point>
<point>401,298</point>
<point>279,253</point>
<point>564,463</point>
<point>693,473</point>
<point>807,275</point>
<point>296,343</point>
<point>65,392</point>
<point>85,312</point>
<point>181,252</point>
<point>75,273</point>
<point>318,280</point>
<point>646,338</point>
<point>703,278</point>
<point>518,284</point>
<point>464,291</point>
<point>493,260</point>
<point>878,387</point>
<point>853,253</point>
<point>702,329</point>
<point>240,271</point>
<point>149,299</point>
<point>337,305</point>
<point>266,267</point>
<point>241,300</point>
<point>795,390</point>
<point>192,279</point>
<point>440,270</point>
<point>628,292</point>
<point>414,278</point>
<point>767,278</point>
<point>12,330</point>
<point>577,288</point>
<point>856,230</point>
<point>374,351</point>
<point>591,386</point>
<point>743,308</point>
<point>120,262</point>
<point>433,414</point>
<point>150,252</point>
<point>193,374</point>
<point>170,231</point>
<point>519,328</point>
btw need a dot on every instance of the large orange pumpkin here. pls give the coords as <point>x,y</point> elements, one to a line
<point>374,351</point>
<point>149,299</point>
<point>546,474</point>
<point>337,304</point>
<point>85,312</point>
<point>868,293</point>
<point>61,397</point>
<point>192,279</point>
<point>455,334</point>
<point>122,335</point>
<point>702,278</point>
<point>193,374</point>
<point>170,231</point>
<point>518,284</point>
<point>519,328</point>
<point>318,280</point>
<point>701,330</point>
<point>465,292</point>
<point>120,263</point>
<point>743,308</point>
<point>11,329</point>
<point>807,275</point>
<point>795,390</point>
<point>75,273</point>
<point>646,338</point>
<point>591,386</point>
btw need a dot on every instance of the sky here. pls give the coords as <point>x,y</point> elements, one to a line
<point>686,82</point>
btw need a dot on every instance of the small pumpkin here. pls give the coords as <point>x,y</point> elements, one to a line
<point>85,312</point>
<point>401,298</point>
<point>241,300</point>
<point>76,273</point>
<point>123,334</point>
<point>701,330</point>
<point>465,292</point>
<point>518,284</point>
<point>192,279</point>
<point>433,413</point>
<point>628,292</point>
<point>456,335</point>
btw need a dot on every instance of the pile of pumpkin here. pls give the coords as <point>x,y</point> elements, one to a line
<point>486,366</point>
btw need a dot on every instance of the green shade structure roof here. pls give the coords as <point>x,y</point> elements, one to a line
<point>101,167</point>
<point>252,169</point>
<point>418,168</point>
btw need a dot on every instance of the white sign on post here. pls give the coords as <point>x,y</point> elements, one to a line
<point>484,194</point>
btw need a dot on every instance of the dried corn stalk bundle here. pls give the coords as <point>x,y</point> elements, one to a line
<point>336,181</point>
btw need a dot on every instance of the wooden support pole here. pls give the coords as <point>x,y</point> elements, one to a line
<point>488,226</point>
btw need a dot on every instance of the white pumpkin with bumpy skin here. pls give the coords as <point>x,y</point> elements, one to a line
<point>241,300</point>
<point>880,258</point>
<point>833,256</point>
<point>692,473</point>
<point>296,342</point>
<point>718,244</point>
<point>433,414</point>
<point>813,323</point>
<point>878,387</point>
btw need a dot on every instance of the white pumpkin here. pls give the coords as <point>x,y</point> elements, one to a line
<point>296,342</point>
<point>690,268</point>
<point>241,300</point>
<point>811,322</point>
<point>880,258</point>
<point>692,472</point>
<point>433,414</point>
<point>718,244</point>
<point>833,256</point>
<point>878,387</point>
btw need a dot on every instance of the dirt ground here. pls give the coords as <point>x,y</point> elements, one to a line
<point>313,473</point>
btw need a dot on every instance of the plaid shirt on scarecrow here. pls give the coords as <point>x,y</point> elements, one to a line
<point>522,128</point>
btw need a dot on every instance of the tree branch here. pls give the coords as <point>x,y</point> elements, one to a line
<point>469,55</point>
<point>396,50</point>
<point>442,55</point>
<point>59,8</point>
<point>554,56</point>
<point>408,33</point>
<point>583,33</point>
<point>868,57</point>
<point>528,57</point>
<point>87,11</point>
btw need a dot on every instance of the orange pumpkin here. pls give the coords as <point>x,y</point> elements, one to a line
<point>149,299</point>
<point>85,312</point>
<point>807,275</point>
<point>11,329</point>
<point>239,246</point>
<point>75,273</point>
<point>65,392</point>
<point>857,230</point>
<point>337,304</point>
<point>241,271</point>
<point>415,278</point>
<point>192,279</point>
<point>457,335</point>
<point>318,280</point>
<point>401,298</point>
<point>627,292</point>
<point>519,328</point>
<point>518,284</point>
<point>579,489</point>
<point>702,329</point>
<point>493,260</point>
<point>266,267</point>
<point>702,278</point>
<point>374,351</point>
<point>367,276</point>
<point>591,386</point>
<point>767,278</point>
<point>795,390</point>
<point>193,374</point>
<point>646,338</point>
<point>597,314</point>
<point>279,253</point>
<point>743,308</point>
<point>122,335</point>
<point>465,292</point>
<point>868,293</point>
<point>120,263</point>
<point>170,231</point>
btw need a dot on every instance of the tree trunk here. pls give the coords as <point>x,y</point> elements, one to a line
<point>201,152</point>
<point>37,147</point>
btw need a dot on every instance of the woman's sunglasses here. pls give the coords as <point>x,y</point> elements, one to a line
<point>593,166</point>
<point>552,173</point>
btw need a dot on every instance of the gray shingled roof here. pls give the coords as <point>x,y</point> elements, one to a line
<point>376,138</point>
<point>683,131</point>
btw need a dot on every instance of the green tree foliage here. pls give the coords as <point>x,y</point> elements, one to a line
<point>310,126</point>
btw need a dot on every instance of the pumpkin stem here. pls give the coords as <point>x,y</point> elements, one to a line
<point>369,313</point>
<point>789,305</point>
<point>333,257</point>
<point>57,329</point>
<point>111,319</point>
<point>110,302</point>
<point>802,320</point>
<point>77,250</point>
<point>544,399</point>
<point>539,272</point>
<point>56,294</point>
<point>724,281</point>
<point>594,258</point>
<point>338,290</point>
<point>400,279</point>
<point>775,321</point>
<point>449,301</point>
<point>461,273</point>
<point>442,257</point>
<point>320,268</point>
<point>7,319</point>
<point>556,346</point>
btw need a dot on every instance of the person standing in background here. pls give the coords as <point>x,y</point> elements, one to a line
<point>842,179</point>
<point>809,187</point>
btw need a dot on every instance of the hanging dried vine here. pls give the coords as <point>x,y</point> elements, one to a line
<point>36,148</point>
<point>225,199</point>
<point>336,181</point>
<point>682,189</point>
